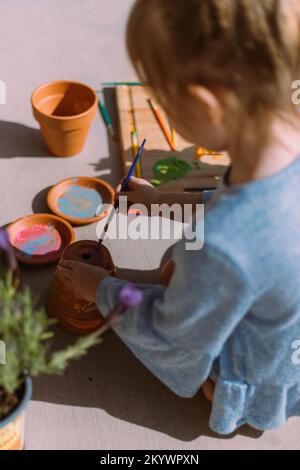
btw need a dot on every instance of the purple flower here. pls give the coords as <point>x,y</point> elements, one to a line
<point>4,240</point>
<point>7,253</point>
<point>130,296</point>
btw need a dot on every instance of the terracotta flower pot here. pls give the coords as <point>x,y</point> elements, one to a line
<point>64,110</point>
<point>73,313</point>
<point>12,426</point>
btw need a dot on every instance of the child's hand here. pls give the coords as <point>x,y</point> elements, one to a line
<point>140,191</point>
<point>82,278</point>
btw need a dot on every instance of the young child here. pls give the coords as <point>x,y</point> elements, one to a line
<point>230,318</point>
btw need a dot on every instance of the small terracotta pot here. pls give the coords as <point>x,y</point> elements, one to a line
<point>63,228</point>
<point>12,426</point>
<point>59,190</point>
<point>64,110</point>
<point>167,272</point>
<point>73,313</point>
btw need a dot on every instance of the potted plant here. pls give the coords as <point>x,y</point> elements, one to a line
<point>25,341</point>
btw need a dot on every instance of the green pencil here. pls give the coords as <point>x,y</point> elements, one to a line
<point>113,84</point>
<point>106,118</point>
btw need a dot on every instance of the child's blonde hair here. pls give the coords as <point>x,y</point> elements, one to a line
<point>251,47</point>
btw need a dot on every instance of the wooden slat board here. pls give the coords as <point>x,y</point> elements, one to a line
<point>212,167</point>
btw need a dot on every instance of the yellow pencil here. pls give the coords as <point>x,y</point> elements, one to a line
<point>135,149</point>
<point>134,135</point>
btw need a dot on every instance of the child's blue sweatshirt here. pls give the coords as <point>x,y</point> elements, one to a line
<point>232,310</point>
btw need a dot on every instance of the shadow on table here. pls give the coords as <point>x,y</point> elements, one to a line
<point>18,140</point>
<point>112,379</point>
<point>39,281</point>
<point>39,203</point>
<point>115,174</point>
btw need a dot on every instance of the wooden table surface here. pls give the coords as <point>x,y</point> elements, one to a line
<point>107,400</point>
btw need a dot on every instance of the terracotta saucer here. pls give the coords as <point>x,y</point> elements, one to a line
<point>81,200</point>
<point>40,238</point>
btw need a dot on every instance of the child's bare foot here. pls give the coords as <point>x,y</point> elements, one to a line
<point>208,389</point>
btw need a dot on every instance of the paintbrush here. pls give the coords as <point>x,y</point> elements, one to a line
<point>162,125</point>
<point>123,188</point>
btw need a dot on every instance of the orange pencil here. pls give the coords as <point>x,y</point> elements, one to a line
<point>174,137</point>
<point>162,125</point>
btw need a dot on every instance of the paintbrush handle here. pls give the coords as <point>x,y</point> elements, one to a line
<point>132,168</point>
<point>123,188</point>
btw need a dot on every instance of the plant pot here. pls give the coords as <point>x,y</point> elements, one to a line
<point>12,426</point>
<point>73,313</point>
<point>64,111</point>
<point>167,272</point>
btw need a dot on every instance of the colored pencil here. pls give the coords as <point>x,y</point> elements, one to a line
<point>174,137</point>
<point>134,133</point>
<point>106,118</point>
<point>113,84</point>
<point>123,188</point>
<point>135,148</point>
<point>162,125</point>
